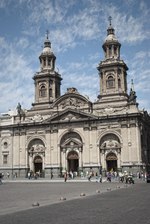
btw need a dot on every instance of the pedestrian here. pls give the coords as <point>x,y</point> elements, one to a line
<point>89,177</point>
<point>8,175</point>
<point>65,176</point>
<point>71,174</point>
<point>96,176</point>
<point>100,178</point>
<point>109,176</point>
<point>29,175</point>
<point>1,176</point>
<point>51,174</point>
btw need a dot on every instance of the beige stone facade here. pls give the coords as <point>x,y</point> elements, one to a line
<point>69,132</point>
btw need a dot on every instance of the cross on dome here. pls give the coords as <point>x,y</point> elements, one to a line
<point>47,33</point>
<point>110,19</point>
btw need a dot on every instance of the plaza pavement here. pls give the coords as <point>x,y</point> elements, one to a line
<point>22,194</point>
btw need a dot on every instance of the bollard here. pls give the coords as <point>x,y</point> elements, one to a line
<point>62,199</point>
<point>108,189</point>
<point>35,204</point>
<point>82,194</point>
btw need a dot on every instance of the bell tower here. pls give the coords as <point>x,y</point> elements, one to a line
<point>112,71</point>
<point>47,81</point>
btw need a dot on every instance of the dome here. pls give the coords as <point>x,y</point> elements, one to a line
<point>111,37</point>
<point>47,50</point>
<point>47,47</point>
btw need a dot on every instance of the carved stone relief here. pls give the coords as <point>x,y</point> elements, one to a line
<point>72,102</point>
<point>37,147</point>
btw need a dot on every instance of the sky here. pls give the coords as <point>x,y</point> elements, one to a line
<point>77,30</point>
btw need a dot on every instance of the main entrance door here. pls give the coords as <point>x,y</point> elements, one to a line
<point>73,161</point>
<point>38,164</point>
<point>111,161</point>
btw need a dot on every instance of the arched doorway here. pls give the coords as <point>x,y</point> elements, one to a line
<point>73,161</point>
<point>38,164</point>
<point>36,155</point>
<point>110,149</point>
<point>111,161</point>
<point>71,146</point>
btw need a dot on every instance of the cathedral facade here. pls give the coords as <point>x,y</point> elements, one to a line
<point>69,132</point>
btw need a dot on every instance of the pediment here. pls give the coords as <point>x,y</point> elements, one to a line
<point>71,143</point>
<point>69,115</point>
<point>71,100</point>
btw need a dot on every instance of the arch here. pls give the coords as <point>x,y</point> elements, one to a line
<point>119,83</point>
<point>73,161</point>
<point>109,141</point>
<point>111,156</point>
<point>111,161</point>
<point>38,164</point>
<point>109,132</point>
<point>42,91</point>
<point>71,141</point>
<point>71,147</point>
<point>110,82</point>
<point>69,131</point>
<point>36,147</point>
<point>37,159</point>
<point>35,137</point>
<point>36,141</point>
<point>50,92</point>
<point>36,154</point>
<point>72,155</point>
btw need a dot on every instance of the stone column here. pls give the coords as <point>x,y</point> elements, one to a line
<point>63,154</point>
<point>103,163</point>
<point>31,162</point>
<point>80,158</point>
<point>119,159</point>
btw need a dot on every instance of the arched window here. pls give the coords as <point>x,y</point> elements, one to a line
<point>44,61</point>
<point>43,91</point>
<point>49,62</point>
<point>119,83</point>
<point>110,82</point>
<point>110,51</point>
<point>50,92</point>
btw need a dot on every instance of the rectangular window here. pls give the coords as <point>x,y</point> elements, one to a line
<point>5,159</point>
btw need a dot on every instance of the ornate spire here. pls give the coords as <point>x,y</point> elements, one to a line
<point>111,45</point>
<point>47,43</point>
<point>47,57</point>
<point>110,29</point>
<point>47,32</point>
<point>112,70</point>
<point>110,18</point>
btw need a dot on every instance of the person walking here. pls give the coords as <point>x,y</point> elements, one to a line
<point>65,176</point>
<point>51,175</point>
<point>100,178</point>
<point>1,176</point>
<point>8,175</point>
<point>89,177</point>
<point>109,176</point>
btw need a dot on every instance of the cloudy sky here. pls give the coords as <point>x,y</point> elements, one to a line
<point>77,29</point>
